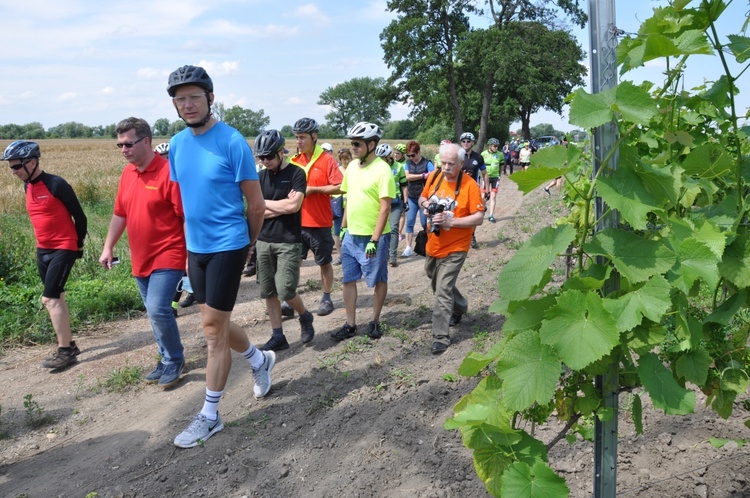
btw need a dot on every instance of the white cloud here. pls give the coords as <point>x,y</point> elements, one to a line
<point>28,94</point>
<point>67,96</point>
<point>150,73</point>
<point>107,90</point>
<point>220,68</point>
<point>293,101</point>
<point>311,14</point>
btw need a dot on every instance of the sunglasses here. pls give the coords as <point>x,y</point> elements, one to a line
<point>128,145</point>
<point>357,144</point>
<point>411,155</point>
<point>466,141</point>
<point>267,158</point>
<point>18,166</point>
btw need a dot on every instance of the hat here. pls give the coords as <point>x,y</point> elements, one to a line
<point>327,146</point>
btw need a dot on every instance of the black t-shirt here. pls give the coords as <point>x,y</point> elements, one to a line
<point>472,164</point>
<point>286,228</point>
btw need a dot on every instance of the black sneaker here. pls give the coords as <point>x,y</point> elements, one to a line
<point>188,301</point>
<point>63,357</point>
<point>439,347</point>
<point>344,332</point>
<point>307,332</point>
<point>286,310</point>
<point>74,348</point>
<point>455,320</point>
<point>474,244</point>
<point>275,343</point>
<point>375,331</point>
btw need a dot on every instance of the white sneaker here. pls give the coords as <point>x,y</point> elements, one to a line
<point>262,375</point>
<point>408,252</point>
<point>199,430</point>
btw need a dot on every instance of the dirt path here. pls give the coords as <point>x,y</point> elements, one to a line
<point>352,419</point>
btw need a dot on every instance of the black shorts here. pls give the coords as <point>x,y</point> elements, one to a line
<point>320,242</point>
<point>54,267</point>
<point>494,183</point>
<point>215,277</point>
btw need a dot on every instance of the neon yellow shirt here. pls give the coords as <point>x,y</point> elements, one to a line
<point>364,188</point>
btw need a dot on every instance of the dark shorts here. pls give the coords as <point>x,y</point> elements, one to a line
<point>54,267</point>
<point>215,277</point>
<point>320,242</point>
<point>494,183</point>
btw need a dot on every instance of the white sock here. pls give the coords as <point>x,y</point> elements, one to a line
<point>211,406</point>
<point>255,356</point>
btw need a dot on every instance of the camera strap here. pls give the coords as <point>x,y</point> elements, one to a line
<point>458,184</point>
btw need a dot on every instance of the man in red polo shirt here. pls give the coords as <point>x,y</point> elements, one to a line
<point>323,180</point>
<point>148,205</point>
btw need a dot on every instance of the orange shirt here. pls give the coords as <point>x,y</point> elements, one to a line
<point>469,202</point>
<point>152,208</point>
<point>321,170</point>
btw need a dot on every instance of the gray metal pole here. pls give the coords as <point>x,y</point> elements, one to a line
<point>603,40</point>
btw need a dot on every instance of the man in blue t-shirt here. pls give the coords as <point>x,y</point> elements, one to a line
<point>215,169</point>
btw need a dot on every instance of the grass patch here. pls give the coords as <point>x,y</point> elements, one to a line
<point>121,379</point>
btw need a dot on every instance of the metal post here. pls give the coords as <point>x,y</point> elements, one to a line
<point>603,40</point>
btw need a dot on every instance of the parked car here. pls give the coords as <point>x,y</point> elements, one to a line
<point>545,141</point>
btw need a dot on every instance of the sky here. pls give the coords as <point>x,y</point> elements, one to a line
<point>97,62</point>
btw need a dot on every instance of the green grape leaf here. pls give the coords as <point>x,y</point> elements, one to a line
<point>579,328</point>
<point>637,414</point>
<point>709,160</point>
<point>695,261</point>
<point>650,300</point>
<point>591,110</point>
<point>734,380</point>
<point>723,402</point>
<point>740,47</point>
<point>592,278</point>
<point>634,103</point>
<point>476,362</point>
<point>693,366</point>
<point>527,314</point>
<point>735,265</point>
<point>523,481</point>
<point>494,451</point>
<point>529,370</point>
<point>635,257</point>
<point>590,401</point>
<point>664,390</point>
<point>718,94</point>
<point>533,178</point>
<point>644,337</point>
<point>626,191</point>
<point>526,269</point>
<point>482,405</point>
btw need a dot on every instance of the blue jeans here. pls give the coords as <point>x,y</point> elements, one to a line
<point>397,208</point>
<point>157,291</point>
<point>411,216</point>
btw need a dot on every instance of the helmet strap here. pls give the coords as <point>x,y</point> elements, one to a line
<point>36,166</point>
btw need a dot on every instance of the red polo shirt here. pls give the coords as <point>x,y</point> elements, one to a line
<point>152,208</point>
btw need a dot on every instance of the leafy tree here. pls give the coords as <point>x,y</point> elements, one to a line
<point>287,131</point>
<point>434,134</point>
<point>546,66</point>
<point>359,99</point>
<point>544,129</point>
<point>219,110</point>
<point>328,131</point>
<point>176,127</point>
<point>419,48</point>
<point>400,130</point>
<point>11,131</point>
<point>248,122</point>
<point>161,127</point>
<point>109,131</point>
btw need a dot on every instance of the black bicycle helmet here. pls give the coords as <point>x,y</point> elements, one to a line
<point>306,125</point>
<point>269,142</point>
<point>189,75</point>
<point>21,149</point>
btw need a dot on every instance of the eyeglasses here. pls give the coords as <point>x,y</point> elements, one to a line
<point>411,155</point>
<point>193,99</point>
<point>267,158</point>
<point>357,144</point>
<point>18,166</point>
<point>128,145</point>
<point>466,141</point>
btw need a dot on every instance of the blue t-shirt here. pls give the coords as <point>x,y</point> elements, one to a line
<point>209,169</point>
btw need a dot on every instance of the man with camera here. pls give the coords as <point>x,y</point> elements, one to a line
<point>453,202</point>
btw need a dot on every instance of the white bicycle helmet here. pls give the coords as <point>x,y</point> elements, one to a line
<point>468,136</point>
<point>383,150</point>
<point>162,148</point>
<point>365,131</point>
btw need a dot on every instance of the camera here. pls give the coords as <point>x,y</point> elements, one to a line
<point>433,208</point>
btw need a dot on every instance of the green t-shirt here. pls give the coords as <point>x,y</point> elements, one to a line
<point>399,177</point>
<point>364,188</point>
<point>492,161</point>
